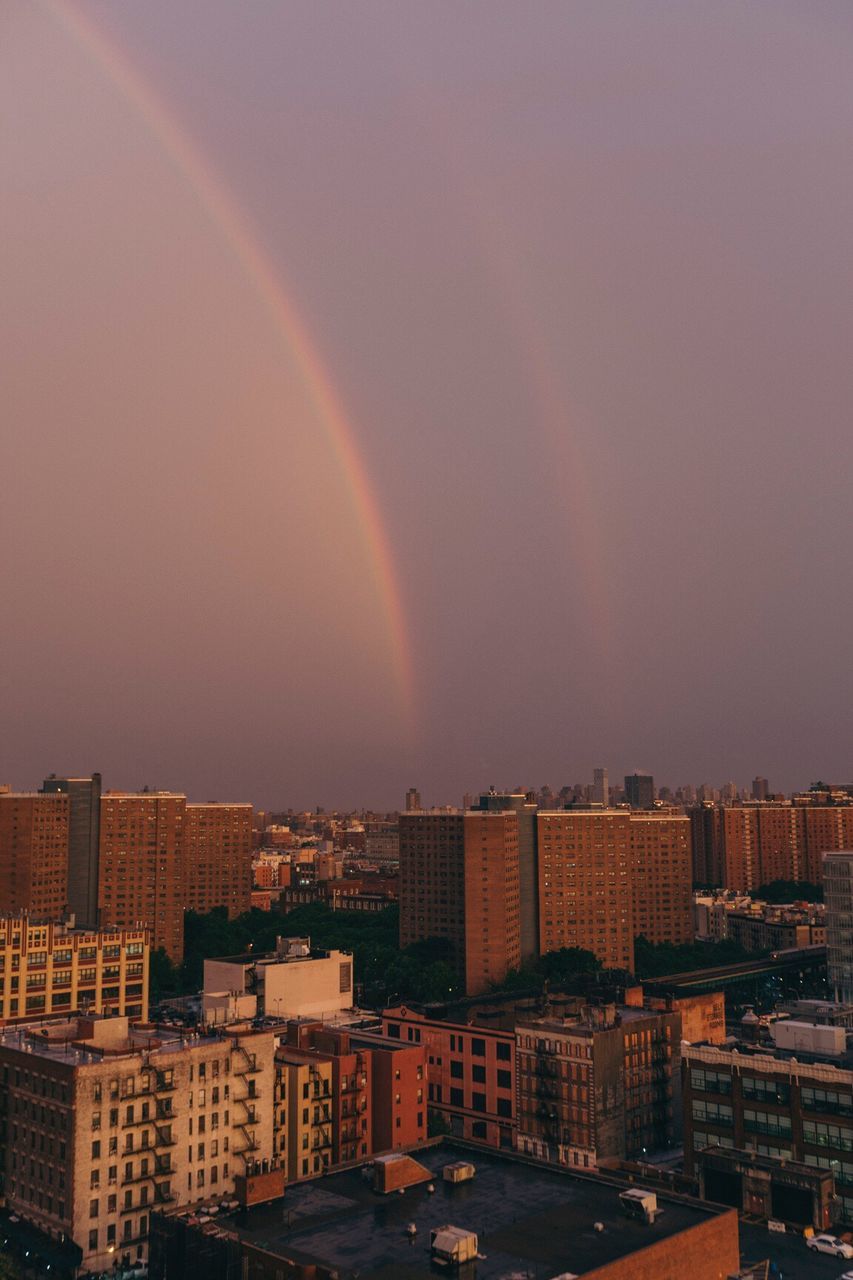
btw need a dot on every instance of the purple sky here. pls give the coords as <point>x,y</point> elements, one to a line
<point>582,275</point>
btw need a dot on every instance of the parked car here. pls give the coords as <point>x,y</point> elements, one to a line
<point>830,1244</point>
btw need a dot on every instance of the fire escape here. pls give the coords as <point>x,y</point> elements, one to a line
<point>244,1068</point>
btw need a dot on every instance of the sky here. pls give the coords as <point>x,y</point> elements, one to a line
<point>424,394</point>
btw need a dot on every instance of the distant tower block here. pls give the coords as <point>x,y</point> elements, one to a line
<point>600,787</point>
<point>640,790</point>
<point>413,800</point>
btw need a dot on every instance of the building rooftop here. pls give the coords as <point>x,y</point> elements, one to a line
<point>525,1217</point>
<point>81,1041</point>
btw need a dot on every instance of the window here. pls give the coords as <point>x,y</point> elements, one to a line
<point>456,1069</point>
<point>773,1091</point>
<point>457,1098</point>
<point>478,1101</point>
<point>93,1241</point>
<point>712,1112</point>
<point>478,1074</point>
<point>504,1107</point>
<point>478,1047</point>
<point>504,1079</point>
<point>503,1051</point>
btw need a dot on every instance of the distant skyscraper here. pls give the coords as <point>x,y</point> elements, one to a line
<point>84,814</point>
<point>413,800</point>
<point>760,788</point>
<point>838,895</point>
<point>600,787</point>
<point>640,790</point>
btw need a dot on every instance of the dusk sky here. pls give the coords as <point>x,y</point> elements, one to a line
<point>425,394</point>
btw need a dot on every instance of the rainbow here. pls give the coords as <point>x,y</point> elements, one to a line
<point>234,226</point>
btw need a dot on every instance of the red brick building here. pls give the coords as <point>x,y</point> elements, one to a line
<point>218,857</point>
<point>661,876</point>
<point>459,880</point>
<point>471,1073</point>
<point>34,854</point>
<point>585,895</point>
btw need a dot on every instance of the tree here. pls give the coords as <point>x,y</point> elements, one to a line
<point>789,891</point>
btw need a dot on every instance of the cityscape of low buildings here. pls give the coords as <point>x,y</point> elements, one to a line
<point>109,1118</point>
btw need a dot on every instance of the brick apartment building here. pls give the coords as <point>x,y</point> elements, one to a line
<point>122,858</point>
<point>218,857</point>
<point>34,853</point>
<point>471,1073</point>
<point>102,1120</point>
<point>598,1083</point>
<point>585,883</point>
<point>459,880</point>
<point>349,1094</point>
<point>744,846</point>
<point>661,876</point>
<point>142,874</point>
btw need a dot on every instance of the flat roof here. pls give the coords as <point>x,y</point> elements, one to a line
<point>525,1216</point>
<point>58,1040</point>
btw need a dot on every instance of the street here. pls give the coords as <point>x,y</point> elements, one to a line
<point>790,1254</point>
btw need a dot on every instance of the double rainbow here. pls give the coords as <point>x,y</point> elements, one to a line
<point>233,225</point>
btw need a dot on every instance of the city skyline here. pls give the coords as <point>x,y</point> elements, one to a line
<point>383,406</point>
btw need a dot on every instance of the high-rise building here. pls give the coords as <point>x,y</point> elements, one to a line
<point>760,788</point>
<point>49,968</point>
<point>528,877</point>
<point>413,800</point>
<point>838,896</point>
<point>585,896</point>
<point>828,828</point>
<point>84,815</point>
<point>662,876</point>
<point>745,846</point>
<point>218,857</point>
<point>640,790</point>
<point>34,854</point>
<point>141,865</point>
<point>600,787</point>
<point>459,881</point>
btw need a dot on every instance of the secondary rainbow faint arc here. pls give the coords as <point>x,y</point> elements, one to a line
<point>232,223</point>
